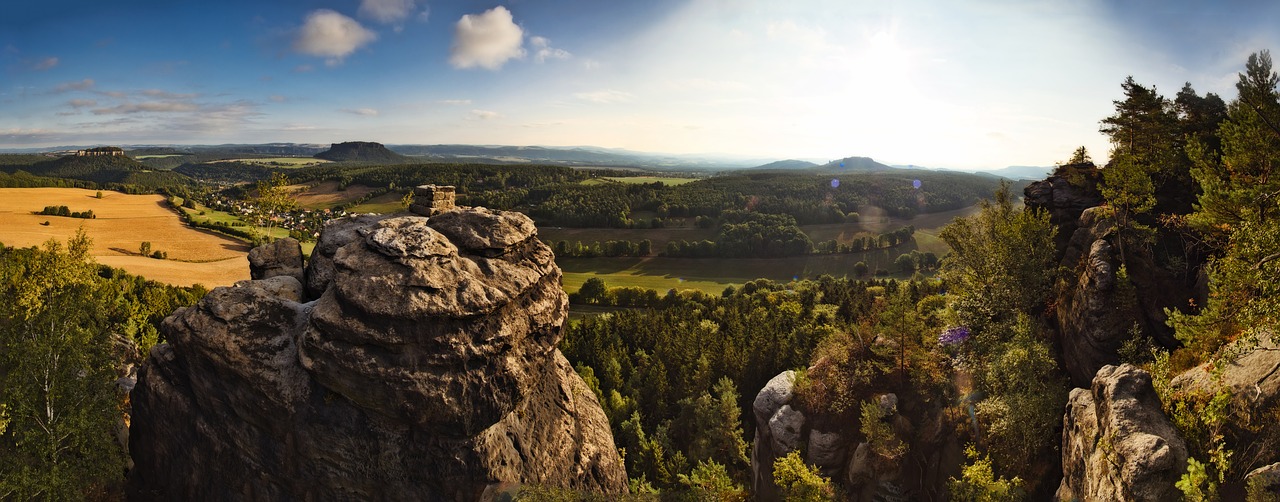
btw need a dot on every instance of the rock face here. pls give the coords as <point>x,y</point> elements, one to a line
<point>424,368</point>
<point>837,447</point>
<point>281,257</point>
<point>1117,443</point>
<point>1064,195</point>
<point>1089,312</point>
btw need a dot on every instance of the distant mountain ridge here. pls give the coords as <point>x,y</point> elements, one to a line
<point>787,164</point>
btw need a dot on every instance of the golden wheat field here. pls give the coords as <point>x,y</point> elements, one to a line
<point>123,223</point>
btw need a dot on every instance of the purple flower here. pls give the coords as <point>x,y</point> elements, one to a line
<point>954,335</point>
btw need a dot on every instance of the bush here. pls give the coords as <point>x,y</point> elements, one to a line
<point>798,481</point>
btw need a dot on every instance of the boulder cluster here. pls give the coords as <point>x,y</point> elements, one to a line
<point>412,358</point>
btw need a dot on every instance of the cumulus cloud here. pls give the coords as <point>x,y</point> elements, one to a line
<point>608,96</point>
<point>147,107</point>
<point>82,85</point>
<point>487,40</point>
<point>454,102</point>
<point>45,64</point>
<point>367,112</point>
<point>542,50</point>
<point>331,35</point>
<point>386,11</point>
<point>484,114</point>
<point>82,103</point>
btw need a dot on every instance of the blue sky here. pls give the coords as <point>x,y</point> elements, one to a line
<point>960,84</point>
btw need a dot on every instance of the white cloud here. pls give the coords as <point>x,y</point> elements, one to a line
<point>487,40</point>
<point>82,103</point>
<point>544,51</point>
<point>82,85</point>
<point>148,107</point>
<point>157,93</point>
<point>276,98</point>
<point>454,102</point>
<point>367,112</point>
<point>608,96</point>
<point>386,11</point>
<point>331,35</point>
<point>45,64</point>
<point>484,114</point>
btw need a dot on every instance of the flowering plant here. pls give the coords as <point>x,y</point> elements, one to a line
<point>953,336</point>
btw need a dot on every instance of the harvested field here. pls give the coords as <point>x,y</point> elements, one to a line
<point>326,195</point>
<point>123,222</point>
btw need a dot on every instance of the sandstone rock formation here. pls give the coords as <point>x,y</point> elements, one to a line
<point>1089,311</point>
<point>837,447</point>
<point>1117,444</point>
<point>281,257</point>
<point>1093,320</point>
<point>423,367</point>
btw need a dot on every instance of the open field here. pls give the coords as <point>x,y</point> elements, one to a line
<point>326,195</point>
<point>142,157</point>
<point>712,275</point>
<point>639,179</point>
<point>123,223</point>
<point>657,236</point>
<point>386,203</point>
<point>874,222</point>
<point>280,161</point>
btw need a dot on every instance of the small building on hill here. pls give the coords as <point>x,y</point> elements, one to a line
<point>102,151</point>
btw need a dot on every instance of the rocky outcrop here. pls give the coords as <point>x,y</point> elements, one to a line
<point>1091,316</point>
<point>1117,444</point>
<point>1065,195</point>
<point>838,448</point>
<point>424,369</point>
<point>277,258</point>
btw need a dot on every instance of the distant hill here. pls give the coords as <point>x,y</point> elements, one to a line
<point>105,170</point>
<point>361,151</point>
<point>787,164</point>
<point>860,164</point>
<point>1022,172</point>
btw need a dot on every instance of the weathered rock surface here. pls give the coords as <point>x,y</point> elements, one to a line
<point>277,258</point>
<point>837,447</point>
<point>1265,479</point>
<point>1252,376</point>
<point>1117,444</point>
<point>425,370</point>
<point>1089,314</point>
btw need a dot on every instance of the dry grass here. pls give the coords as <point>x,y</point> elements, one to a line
<point>123,223</point>
<point>326,195</point>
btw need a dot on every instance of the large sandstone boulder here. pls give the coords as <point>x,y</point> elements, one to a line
<point>425,370</point>
<point>1117,444</point>
<point>281,257</point>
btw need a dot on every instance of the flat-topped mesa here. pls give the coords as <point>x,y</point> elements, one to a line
<point>424,368</point>
<point>430,200</point>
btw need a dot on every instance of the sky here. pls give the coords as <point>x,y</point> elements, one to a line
<point>962,84</point>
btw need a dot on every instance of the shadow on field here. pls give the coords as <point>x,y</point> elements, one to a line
<point>598,265</point>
